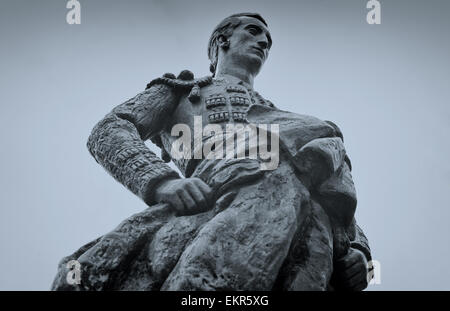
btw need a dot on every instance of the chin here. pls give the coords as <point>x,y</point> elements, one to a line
<point>255,63</point>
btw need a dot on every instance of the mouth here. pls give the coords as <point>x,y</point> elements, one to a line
<point>259,51</point>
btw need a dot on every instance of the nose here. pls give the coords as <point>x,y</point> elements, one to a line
<point>263,44</point>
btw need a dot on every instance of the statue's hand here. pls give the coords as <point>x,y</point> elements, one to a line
<point>186,196</point>
<point>351,271</point>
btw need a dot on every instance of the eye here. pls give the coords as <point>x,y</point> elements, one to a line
<point>253,30</point>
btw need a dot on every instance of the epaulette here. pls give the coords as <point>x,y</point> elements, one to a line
<point>185,81</point>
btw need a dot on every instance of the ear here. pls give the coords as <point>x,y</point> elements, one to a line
<point>224,43</point>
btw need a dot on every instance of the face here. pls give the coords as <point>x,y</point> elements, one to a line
<point>250,44</point>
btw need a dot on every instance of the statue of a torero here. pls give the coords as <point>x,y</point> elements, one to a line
<point>226,224</point>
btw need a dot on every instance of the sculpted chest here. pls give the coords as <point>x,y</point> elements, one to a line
<point>220,102</point>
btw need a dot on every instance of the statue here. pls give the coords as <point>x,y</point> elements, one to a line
<point>228,224</point>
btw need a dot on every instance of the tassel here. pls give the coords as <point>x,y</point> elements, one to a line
<point>194,95</point>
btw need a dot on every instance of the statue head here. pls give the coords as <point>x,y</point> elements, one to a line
<point>241,39</point>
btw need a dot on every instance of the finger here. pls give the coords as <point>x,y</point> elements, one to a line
<point>204,188</point>
<point>176,203</point>
<point>360,286</point>
<point>189,203</point>
<point>352,270</point>
<point>197,195</point>
<point>356,279</point>
<point>349,260</point>
<point>346,262</point>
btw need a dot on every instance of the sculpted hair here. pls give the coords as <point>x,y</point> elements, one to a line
<point>225,29</point>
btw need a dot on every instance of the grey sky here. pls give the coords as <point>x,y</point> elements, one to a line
<point>386,86</point>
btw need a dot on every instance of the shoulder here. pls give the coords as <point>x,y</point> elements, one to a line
<point>263,101</point>
<point>183,83</point>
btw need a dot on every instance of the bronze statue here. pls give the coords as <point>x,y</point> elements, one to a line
<point>227,224</point>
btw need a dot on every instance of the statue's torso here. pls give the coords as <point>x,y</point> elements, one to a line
<point>225,102</point>
<point>222,102</point>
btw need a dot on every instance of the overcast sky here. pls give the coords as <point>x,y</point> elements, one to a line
<point>386,86</point>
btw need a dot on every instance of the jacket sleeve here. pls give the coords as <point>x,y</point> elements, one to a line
<point>117,141</point>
